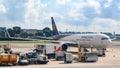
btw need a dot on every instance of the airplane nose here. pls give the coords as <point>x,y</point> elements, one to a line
<point>106,43</point>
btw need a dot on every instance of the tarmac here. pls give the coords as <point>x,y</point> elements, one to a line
<point>111,60</point>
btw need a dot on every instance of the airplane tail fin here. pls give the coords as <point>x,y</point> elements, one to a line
<point>55,31</point>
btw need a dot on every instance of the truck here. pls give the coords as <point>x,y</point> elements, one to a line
<point>34,58</point>
<point>50,49</point>
<point>37,56</point>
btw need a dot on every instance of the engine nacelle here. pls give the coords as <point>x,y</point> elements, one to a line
<point>64,47</point>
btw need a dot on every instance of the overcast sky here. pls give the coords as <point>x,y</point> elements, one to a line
<point>71,15</point>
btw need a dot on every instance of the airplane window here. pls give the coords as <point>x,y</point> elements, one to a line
<point>104,38</point>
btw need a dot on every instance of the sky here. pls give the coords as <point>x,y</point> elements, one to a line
<point>69,15</point>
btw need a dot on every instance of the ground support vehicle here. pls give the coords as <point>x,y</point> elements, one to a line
<point>89,56</point>
<point>68,58</point>
<point>23,59</point>
<point>8,59</point>
<point>101,52</point>
<point>85,55</point>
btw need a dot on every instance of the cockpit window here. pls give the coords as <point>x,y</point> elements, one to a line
<point>104,38</point>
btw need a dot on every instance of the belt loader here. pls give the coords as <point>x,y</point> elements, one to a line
<point>86,56</point>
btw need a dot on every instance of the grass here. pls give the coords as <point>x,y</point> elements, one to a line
<point>27,42</point>
<point>34,42</point>
<point>116,40</point>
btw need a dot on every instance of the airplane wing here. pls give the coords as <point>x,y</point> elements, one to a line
<point>113,39</point>
<point>72,44</point>
<point>37,38</point>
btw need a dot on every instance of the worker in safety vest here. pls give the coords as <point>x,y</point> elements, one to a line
<point>1,49</point>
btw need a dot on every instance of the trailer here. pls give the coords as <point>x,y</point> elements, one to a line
<point>6,56</point>
<point>8,59</point>
<point>68,57</point>
<point>89,56</point>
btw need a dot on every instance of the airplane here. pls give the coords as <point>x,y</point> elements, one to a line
<point>84,40</point>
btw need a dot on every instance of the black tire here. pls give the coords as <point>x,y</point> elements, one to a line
<point>42,62</point>
<point>14,64</point>
<point>68,61</point>
<point>57,58</point>
<point>64,47</point>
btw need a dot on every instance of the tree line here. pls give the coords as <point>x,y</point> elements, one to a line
<point>18,32</point>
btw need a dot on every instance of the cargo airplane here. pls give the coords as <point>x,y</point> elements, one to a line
<point>84,40</point>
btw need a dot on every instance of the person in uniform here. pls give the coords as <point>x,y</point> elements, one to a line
<point>7,49</point>
<point>1,49</point>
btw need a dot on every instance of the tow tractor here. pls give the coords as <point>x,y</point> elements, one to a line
<point>41,54</point>
<point>36,57</point>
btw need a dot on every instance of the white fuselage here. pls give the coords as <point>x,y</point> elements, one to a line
<point>89,40</point>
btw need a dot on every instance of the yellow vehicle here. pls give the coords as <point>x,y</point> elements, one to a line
<point>6,59</point>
